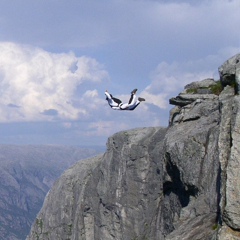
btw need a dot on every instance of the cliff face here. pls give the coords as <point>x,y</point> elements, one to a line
<point>180,182</point>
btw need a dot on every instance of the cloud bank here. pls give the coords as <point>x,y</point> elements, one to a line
<point>37,85</point>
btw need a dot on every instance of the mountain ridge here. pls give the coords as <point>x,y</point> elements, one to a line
<point>27,173</point>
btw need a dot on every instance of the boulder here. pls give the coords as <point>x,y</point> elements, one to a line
<point>206,83</point>
<point>229,72</point>
<point>205,89</point>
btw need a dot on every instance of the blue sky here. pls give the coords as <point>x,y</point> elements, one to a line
<point>58,57</point>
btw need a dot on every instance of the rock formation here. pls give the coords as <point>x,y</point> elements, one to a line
<point>180,182</point>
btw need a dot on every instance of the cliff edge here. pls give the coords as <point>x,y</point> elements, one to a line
<point>180,182</point>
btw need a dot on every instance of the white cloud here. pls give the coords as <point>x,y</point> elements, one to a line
<point>43,84</point>
<point>159,100</point>
<point>91,93</point>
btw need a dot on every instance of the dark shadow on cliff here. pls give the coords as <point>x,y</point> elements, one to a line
<point>176,186</point>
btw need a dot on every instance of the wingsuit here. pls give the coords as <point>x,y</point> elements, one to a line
<point>117,104</point>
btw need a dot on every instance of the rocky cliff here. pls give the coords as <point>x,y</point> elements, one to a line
<point>180,182</point>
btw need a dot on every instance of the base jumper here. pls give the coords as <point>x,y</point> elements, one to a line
<point>117,104</point>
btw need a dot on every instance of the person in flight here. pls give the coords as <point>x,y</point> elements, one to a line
<point>117,104</point>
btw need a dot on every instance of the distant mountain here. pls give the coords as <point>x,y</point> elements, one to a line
<point>26,175</point>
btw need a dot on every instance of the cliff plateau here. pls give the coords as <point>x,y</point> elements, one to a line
<point>179,182</point>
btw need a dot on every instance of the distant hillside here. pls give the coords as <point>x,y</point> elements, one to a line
<point>26,175</point>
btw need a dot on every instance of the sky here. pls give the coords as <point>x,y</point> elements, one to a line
<point>57,58</point>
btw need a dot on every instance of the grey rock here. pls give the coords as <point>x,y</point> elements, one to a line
<point>174,116</point>
<point>202,105</point>
<point>195,91</point>
<point>199,228</point>
<point>194,97</point>
<point>224,141</point>
<point>237,78</point>
<point>204,91</point>
<point>206,83</point>
<point>229,161</point>
<point>229,72</point>
<point>231,213</point>
<point>227,233</point>
<point>180,101</point>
